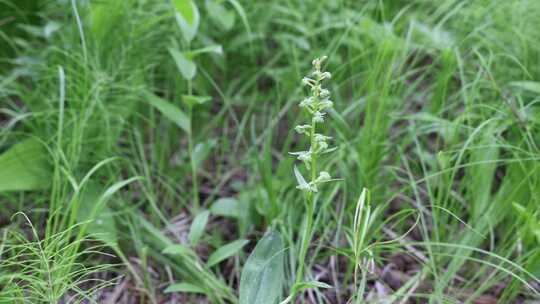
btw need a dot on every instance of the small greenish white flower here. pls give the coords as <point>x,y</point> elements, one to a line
<point>319,137</point>
<point>318,117</point>
<point>326,75</point>
<point>304,156</point>
<point>308,81</point>
<point>324,93</point>
<point>302,129</point>
<point>316,104</point>
<point>323,177</point>
<point>325,104</point>
<point>320,142</point>
<point>307,187</point>
<point>317,62</point>
<point>307,102</point>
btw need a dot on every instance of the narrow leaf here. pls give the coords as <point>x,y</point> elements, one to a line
<point>169,110</point>
<point>185,65</point>
<point>215,48</point>
<point>185,288</point>
<point>225,252</point>
<point>311,284</point>
<point>531,86</point>
<point>192,100</point>
<point>226,206</point>
<point>197,227</point>
<point>177,249</point>
<point>240,10</point>
<point>202,150</point>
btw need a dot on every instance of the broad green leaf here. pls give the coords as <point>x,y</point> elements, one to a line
<point>202,150</point>
<point>226,206</point>
<point>187,17</point>
<point>185,65</point>
<point>185,288</point>
<point>25,166</point>
<point>169,110</point>
<point>223,17</point>
<point>197,227</point>
<point>97,215</point>
<point>262,278</point>
<point>103,226</point>
<point>225,252</point>
<point>192,100</point>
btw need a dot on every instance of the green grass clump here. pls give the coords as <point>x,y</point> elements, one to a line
<point>149,143</point>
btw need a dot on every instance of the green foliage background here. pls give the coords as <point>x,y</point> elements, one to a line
<point>151,137</point>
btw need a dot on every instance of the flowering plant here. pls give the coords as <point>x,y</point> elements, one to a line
<point>316,106</point>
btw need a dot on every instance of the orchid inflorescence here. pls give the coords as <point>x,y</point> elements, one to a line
<point>316,105</point>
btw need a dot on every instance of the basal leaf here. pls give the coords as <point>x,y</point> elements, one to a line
<point>102,227</point>
<point>262,278</point>
<point>25,166</point>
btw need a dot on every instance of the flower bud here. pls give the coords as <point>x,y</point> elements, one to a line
<point>302,129</point>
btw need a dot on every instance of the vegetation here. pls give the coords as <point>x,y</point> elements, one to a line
<point>145,151</point>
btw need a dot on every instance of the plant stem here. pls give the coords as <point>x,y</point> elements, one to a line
<point>310,208</point>
<point>195,185</point>
<point>306,238</point>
